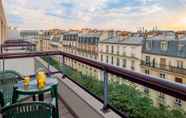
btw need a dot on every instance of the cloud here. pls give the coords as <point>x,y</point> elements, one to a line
<point>115,14</point>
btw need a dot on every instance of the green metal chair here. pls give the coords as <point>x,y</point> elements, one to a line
<point>7,80</point>
<point>29,110</point>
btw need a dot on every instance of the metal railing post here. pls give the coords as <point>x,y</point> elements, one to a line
<point>105,79</point>
<point>35,65</point>
<point>3,60</point>
<point>48,66</point>
<point>1,49</point>
<point>3,64</point>
<point>62,59</point>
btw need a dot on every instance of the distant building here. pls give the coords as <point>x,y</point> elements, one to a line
<point>29,34</point>
<point>54,41</point>
<point>47,39</point>
<point>70,42</point>
<point>122,52</point>
<point>125,53</point>
<point>81,44</point>
<point>165,59</point>
<point>88,45</point>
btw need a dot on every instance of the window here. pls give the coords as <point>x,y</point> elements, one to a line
<point>133,49</point>
<point>147,60</point>
<point>112,49</point>
<point>95,57</point>
<point>179,80</point>
<point>163,63</point>
<point>147,72</point>
<point>107,48</point>
<point>170,64</point>
<point>161,98</point>
<point>107,59</point>
<point>95,70</point>
<point>118,49</point>
<point>101,58</point>
<point>162,95</point>
<point>124,63</point>
<point>162,75</point>
<point>179,64</point>
<point>118,62</point>
<point>180,47</point>
<point>148,45</point>
<point>124,51</point>
<point>112,60</point>
<point>178,101</point>
<point>154,62</point>
<point>146,90</point>
<point>133,65</point>
<point>164,45</point>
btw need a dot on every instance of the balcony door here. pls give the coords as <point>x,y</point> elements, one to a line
<point>147,60</point>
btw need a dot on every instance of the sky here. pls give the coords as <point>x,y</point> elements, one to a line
<point>100,14</point>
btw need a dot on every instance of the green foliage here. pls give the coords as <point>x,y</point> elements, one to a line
<point>123,97</point>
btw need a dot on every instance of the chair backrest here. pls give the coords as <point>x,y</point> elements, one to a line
<point>10,74</point>
<point>28,110</point>
<point>7,80</point>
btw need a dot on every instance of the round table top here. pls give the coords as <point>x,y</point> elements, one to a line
<point>33,88</point>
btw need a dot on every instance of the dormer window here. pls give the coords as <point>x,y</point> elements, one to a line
<point>148,45</point>
<point>164,45</point>
<point>180,47</point>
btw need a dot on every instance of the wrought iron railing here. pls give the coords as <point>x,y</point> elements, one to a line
<point>165,67</point>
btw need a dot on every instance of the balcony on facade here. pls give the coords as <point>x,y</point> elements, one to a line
<point>167,68</point>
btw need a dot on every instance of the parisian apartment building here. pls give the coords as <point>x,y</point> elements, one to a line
<point>164,56</point>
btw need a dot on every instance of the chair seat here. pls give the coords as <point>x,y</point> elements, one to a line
<point>29,110</point>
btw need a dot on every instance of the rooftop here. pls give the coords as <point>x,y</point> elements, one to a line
<point>128,40</point>
<point>175,48</point>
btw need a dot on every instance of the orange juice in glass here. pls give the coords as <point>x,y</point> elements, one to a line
<point>41,83</point>
<point>26,81</point>
<point>41,79</point>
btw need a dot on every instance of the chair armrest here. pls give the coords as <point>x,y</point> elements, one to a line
<point>1,98</point>
<point>55,109</point>
<point>53,101</point>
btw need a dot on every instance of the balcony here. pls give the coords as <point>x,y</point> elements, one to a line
<point>105,93</point>
<point>165,68</point>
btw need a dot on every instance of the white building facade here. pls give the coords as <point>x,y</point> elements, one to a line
<point>3,24</point>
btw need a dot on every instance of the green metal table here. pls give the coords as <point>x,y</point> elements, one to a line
<point>33,90</point>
